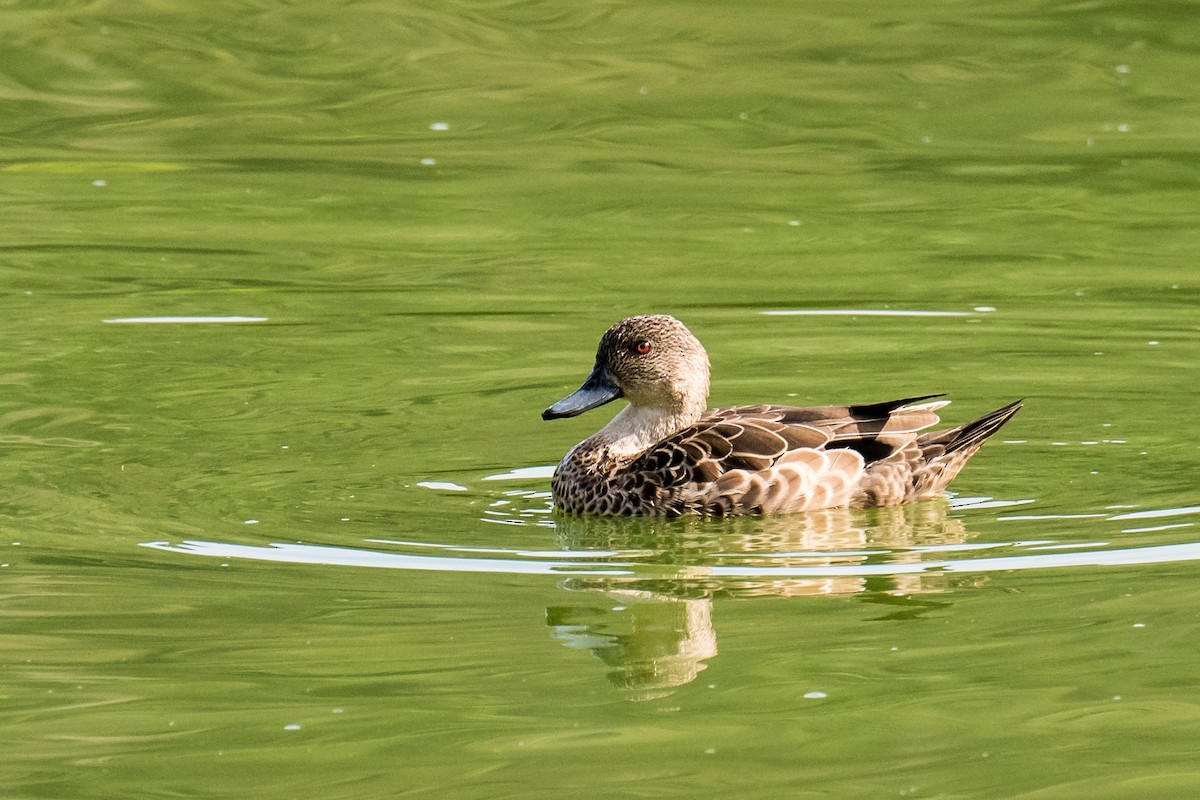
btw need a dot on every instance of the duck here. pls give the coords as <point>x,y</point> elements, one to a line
<point>667,454</point>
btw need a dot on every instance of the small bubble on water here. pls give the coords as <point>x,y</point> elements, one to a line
<point>439,126</point>
<point>428,162</point>
<point>815,695</point>
<point>99,182</point>
<point>1116,697</point>
<point>793,222</point>
<point>1123,69</point>
<point>1139,624</point>
<point>1152,342</point>
<point>984,309</point>
<point>1123,128</point>
<point>708,751</point>
<point>251,522</point>
<point>292,727</point>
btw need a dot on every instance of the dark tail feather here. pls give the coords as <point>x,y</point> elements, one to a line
<point>970,436</point>
<point>946,452</point>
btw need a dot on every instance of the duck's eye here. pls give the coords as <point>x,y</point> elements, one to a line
<point>641,348</point>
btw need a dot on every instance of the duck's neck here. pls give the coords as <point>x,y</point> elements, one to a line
<point>636,428</point>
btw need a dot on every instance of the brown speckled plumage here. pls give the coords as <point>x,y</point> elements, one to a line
<point>666,455</point>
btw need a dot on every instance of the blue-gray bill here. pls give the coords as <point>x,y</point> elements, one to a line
<point>597,390</point>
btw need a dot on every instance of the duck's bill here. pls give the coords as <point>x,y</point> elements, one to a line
<point>597,390</point>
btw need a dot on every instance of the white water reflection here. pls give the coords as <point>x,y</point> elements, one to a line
<point>863,312</point>
<point>1042,517</point>
<point>1160,512</point>
<point>356,557</point>
<point>447,486</point>
<point>584,563</point>
<point>523,473</point>
<point>1154,528</point>
<point>181,320</point>
<point>973,503</point>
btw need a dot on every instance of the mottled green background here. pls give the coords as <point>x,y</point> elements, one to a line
<point>438,208</point>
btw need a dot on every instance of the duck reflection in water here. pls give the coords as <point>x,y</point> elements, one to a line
<point>656,632</point>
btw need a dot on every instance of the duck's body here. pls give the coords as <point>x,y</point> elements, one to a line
<point>666,455</point>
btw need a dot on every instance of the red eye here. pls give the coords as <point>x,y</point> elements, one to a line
<point>642,348</point>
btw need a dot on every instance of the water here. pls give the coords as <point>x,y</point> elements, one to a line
<point>287,288</point>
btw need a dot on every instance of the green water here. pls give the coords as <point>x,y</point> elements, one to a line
<point>222,576</point>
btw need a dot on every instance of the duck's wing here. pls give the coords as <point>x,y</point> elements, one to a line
<point>874,430</point>
<point>920,466</point>
<point>770,458</point>
<point>907,415</point>
<point>749,438</point>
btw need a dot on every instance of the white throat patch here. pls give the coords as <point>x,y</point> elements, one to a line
<point>635,428</point>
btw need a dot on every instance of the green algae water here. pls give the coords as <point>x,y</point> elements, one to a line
<point>287,286</point>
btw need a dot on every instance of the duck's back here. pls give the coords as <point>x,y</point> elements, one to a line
<point>768,459</point>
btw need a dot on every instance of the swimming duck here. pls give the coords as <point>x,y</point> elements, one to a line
<point>666,455</point>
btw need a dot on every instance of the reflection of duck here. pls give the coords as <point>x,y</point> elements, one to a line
<point>655,632</point>
<point>652,642</point>
<point>665,455</point>
<point>688,549</point>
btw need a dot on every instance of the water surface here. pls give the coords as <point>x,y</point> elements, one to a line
<point>287,287</point>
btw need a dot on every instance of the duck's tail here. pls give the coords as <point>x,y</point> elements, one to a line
<point>946,452</point>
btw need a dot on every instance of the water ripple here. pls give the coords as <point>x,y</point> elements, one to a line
<point>1031,556</point>
<point>863,312</point>
<point>181,320</point>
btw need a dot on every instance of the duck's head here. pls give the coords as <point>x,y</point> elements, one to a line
<point>653,361</point>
